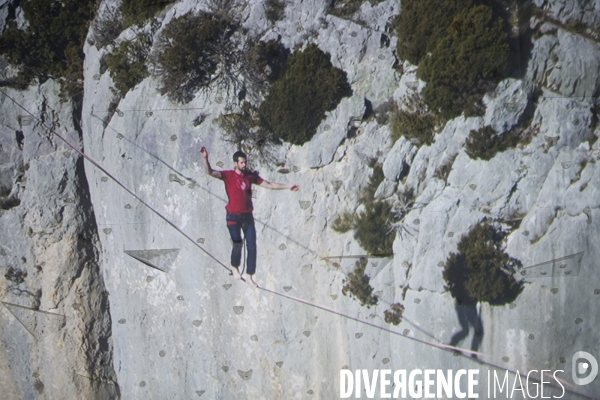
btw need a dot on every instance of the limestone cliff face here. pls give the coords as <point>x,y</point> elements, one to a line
<point>183,328</point>
<point>192,330</point>
<point>56,328</point>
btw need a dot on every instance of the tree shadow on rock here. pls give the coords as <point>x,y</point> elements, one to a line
<point>480,272</point>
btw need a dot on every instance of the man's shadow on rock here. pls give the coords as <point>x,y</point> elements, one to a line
<point>468,315</point>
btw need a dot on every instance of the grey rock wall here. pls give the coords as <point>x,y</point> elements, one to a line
<point>188,329</point>
<point>178,326</point>
<point>56,330</point>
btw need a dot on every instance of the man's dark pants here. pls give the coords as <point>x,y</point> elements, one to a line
<point>237,223</point>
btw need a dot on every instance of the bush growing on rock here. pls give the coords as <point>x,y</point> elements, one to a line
<point>357,284</point>
<point>137,12</point>
<point>373,230</point>
<point>481,271</point>
<point>443,171</point>
<point>416,123</point>
<point>127,64</point>
<point>261,64</point>
<point>346,8</point>
<point>368,193</point>
<point>242,131</point>
<point>15,275</point>
<point>465,63</point>
<point>192,48</point>
<point>372,227</point>
<point>267,59</point>
<point>275,10</point>
<point>52,43</point>
<point>421,24</point>
<point>485,143</point>
<point>394,314</point>
<point>296,104</point>
<point>461,48</point>
<point>107,28</point>
<point>237,126</point>
<point>344,222</point>
<point>402,207</point>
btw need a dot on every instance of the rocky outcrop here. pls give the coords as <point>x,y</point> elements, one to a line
<point>56,329</point>
<point>581,11</point>
<point>194,331</point>
<point>181,327</point>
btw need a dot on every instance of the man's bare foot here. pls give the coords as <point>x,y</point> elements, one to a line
<point>250,281</point>
<point>236,273</point>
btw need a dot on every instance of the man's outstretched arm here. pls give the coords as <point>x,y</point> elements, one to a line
<point>278,186</point>
<point>207,166</point>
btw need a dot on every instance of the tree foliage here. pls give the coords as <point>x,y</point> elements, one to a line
<point>242,131</point>
<point>465,63</point>
<point>52,43</point>
<point>415,122</point>
<point>137,12</point>
<point>192,50</point>
<point>357,284</point>
<point>296,104</point>
<point>481,271</point>
<point>107,28</point>
<point>267,60</point>
<point>344,222</point>
<point>127,64</point>
<point>275,10</point>
<point>394,314</point>
<point>484,143</point>
<point>373,229</point>
<point>368,192</point>
<point>421,24</point>
<point>373,226</point>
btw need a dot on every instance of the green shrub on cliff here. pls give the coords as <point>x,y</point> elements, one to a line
<point>192,46</point>
<point>274,10</point>
<point>296,104</point>
<point>465,63</point>
<point>344,222</point>
<point>357,284</point>
<point>460,46</point>
<point>137,12</point>
<point>372,226</point>
<point>127,64</point>
<point>481,271</point>
<point>415,122</point>
<point>393,315</point>
<point>346,8</point>
<point>52,43</point>
<point>421,24</point>
<point>267,60</point>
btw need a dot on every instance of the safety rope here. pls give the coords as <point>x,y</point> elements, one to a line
<point>456,350</point>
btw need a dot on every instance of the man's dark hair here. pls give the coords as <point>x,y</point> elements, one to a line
<point>239,154</point>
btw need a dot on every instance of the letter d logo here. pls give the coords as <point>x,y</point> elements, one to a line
<point>582,367</point>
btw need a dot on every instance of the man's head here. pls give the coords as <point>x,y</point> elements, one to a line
<point>239,160</point>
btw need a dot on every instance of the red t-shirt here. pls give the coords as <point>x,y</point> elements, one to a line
<point>239,190</point>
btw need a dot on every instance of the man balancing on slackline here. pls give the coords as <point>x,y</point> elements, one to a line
<point>238,185</point>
